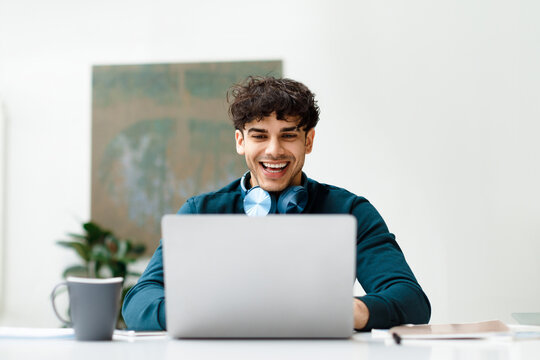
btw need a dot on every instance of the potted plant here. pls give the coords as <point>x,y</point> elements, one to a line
<point>103,255</point>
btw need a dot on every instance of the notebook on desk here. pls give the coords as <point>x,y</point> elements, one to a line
<point>280,276</point>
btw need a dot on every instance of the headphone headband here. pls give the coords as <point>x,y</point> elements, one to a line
<point>259,202</point>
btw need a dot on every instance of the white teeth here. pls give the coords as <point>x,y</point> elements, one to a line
<point>275,166</point>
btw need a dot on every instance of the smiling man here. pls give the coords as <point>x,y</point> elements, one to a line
<point>274,151</point>
<point>275,123</point>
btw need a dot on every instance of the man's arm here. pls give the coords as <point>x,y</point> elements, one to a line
<point>144,304</point>
<point>393,296</point>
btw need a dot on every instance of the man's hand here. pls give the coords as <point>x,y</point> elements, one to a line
<point>361,314</point>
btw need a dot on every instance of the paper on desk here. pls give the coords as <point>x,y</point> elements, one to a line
<point>36,333</point>
<point>130,334</point>
<point>525,332</point>
<point>68,333</point>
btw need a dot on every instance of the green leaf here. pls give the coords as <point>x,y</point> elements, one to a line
<point>100,254</point>
<point>75,270</point>
<point>82,249</point>
<point>97,266</point>
<point>96,235</point>
<point>134,273</point>
<point>117,269</point>
<point>77,236</point>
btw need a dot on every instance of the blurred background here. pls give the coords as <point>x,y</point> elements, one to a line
<point>429,109</point>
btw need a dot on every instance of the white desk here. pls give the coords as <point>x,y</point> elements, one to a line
<point>361,346</point>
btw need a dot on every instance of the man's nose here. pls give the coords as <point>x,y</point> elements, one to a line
<point>274,148</point>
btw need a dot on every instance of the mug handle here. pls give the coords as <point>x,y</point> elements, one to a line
<point>53,298</point>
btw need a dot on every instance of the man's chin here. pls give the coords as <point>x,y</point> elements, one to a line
<point>274,184</point>
<point>273,187</point>
<point>274,190</point>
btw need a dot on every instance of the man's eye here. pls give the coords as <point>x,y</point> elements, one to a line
<point>289,136</point>
<point>259,137</point>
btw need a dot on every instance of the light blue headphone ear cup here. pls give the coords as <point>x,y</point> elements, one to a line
<point>293,200</point>
<point>258,202</point>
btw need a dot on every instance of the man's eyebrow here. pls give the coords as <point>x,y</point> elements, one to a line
<point>264,131</point>
<point>292,128</point>
<point>257,130</point>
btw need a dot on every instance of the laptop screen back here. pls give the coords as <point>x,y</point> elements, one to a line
<point>275,276</point>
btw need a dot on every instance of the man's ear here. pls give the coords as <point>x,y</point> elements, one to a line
<point>309,140</point>
<point>239,137</point>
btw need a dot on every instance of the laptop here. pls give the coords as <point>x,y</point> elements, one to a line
<point>279,276</point>
<point>527,318</point>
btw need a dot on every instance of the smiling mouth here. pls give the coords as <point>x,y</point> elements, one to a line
<point>274,168</point>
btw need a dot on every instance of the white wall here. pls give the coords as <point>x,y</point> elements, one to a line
<point>429,109</point>
<point>3,147</point>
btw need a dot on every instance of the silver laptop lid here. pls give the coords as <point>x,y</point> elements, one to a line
<point>275,276</point>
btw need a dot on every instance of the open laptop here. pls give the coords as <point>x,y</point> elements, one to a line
<point>280,276</point>
<point>527,318</point>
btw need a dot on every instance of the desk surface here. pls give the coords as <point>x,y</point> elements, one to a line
<point>361,346</point>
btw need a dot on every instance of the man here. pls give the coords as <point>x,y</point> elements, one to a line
<point>275,123</point>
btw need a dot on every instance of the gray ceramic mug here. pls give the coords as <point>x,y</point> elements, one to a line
<point>94,306</point>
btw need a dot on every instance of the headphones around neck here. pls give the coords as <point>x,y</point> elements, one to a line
<point>259,202</point>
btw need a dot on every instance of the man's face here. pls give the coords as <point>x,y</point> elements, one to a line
<point>275,151</point>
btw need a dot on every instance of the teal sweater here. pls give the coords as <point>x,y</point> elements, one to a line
<point>393,296</point>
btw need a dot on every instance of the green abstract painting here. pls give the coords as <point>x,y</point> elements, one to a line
<point>160,134</point>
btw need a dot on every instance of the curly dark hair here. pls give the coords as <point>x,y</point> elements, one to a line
<point>258,97</point>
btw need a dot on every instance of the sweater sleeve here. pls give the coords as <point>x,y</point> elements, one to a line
<point>144,304</point>
<point>393,295</point>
